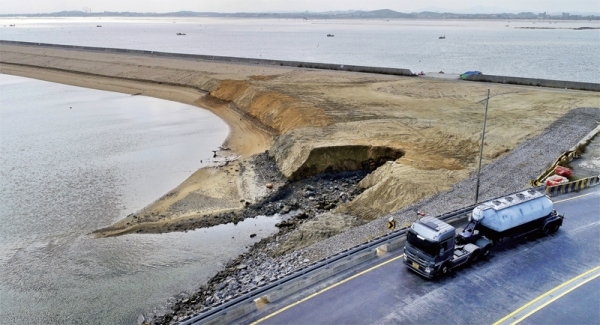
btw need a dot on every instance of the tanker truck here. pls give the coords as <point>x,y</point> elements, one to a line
<point>434,247</point>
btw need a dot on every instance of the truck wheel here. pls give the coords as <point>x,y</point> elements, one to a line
<point>475,256</point>
<point>554,228</point>
<point>486,250</point>
<point>485,245</point>
<point>445,269</point>
<point>546,230</point>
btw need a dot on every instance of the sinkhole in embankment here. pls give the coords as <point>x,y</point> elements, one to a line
<point>345,158</point>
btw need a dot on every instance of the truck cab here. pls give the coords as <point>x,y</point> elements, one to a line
<point>431,248</point>
<point>429,243</point>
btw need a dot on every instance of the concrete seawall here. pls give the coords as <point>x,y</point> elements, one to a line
<point>536,82</point>
<point>315,65</point>
<point>231,59</point>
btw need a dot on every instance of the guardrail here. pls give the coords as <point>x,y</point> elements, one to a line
<point>238,307</point>
<point>283,63</point>
<point>575,186</point>
<point>563,159</point>
<point>566,157</point>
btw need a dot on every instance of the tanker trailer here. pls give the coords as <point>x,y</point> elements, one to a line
<point>433,247</point>
<point>518,215</point>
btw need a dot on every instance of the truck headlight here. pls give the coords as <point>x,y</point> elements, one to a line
<point>428,270</point>
<point>405,257</point>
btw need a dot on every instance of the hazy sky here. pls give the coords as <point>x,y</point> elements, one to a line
<point>46,6</point>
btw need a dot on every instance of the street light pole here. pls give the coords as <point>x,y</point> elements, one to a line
<point>481,146</point>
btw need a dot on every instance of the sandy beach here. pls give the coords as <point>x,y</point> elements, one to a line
<point>311,121</point>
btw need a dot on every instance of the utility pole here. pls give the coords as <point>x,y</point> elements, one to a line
<point>481,146</point>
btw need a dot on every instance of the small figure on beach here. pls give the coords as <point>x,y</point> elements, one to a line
<point>214,153</point>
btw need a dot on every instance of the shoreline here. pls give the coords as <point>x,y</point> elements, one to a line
<point>310,121</point>
<point>315,121</point>
<point>239,128</point>
<point>244,139</point>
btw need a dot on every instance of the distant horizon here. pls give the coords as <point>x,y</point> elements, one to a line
<point>24,7</point>
<point>299,12</point>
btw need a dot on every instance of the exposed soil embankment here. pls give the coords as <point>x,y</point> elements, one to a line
<point>344,158</point>
<point>275,110</point>
<point>311,122</point>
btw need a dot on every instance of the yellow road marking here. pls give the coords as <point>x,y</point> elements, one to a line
<point>575,197</point>
<point>546,294</point>
<point>327,289</point>
<point>554,299</point>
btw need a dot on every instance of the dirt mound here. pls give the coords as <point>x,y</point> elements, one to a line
<point>228,90</point>
<point>394,186</point>
<point>281,112</point>
<point>274,110</point>
<point>344,158</point>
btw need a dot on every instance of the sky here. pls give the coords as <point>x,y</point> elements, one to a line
<point>483,6</point>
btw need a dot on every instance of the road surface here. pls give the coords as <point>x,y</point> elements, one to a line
<point>483,293</point>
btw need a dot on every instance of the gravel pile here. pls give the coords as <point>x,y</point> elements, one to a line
<point>259,266</point>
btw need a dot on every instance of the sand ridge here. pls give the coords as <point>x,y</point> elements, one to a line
<point>292,112</point>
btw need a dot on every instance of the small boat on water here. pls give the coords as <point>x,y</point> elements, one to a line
<point>442,37</point>
<point>329,35</point>
<point>180,34</point>
<point>98,25</point>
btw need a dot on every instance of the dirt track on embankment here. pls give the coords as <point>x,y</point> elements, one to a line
<point>311,121</point>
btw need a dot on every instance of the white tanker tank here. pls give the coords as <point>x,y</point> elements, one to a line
<point>512,211</point>
<point>512,216</point>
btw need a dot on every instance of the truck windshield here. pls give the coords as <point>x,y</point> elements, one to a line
<point>428,247</point>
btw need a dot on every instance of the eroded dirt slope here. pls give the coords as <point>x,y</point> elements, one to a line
<point>313,121</point>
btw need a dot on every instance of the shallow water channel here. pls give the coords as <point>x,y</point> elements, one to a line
<point>73,160</point>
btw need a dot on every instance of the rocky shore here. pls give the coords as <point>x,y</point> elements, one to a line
<point>297,202</point>
<point>301,200</point>
<point>314,197</point>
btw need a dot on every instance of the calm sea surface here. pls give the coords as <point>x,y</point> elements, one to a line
<point>73,160</point>
<point>489,46</point>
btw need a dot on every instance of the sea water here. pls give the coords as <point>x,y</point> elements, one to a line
<point>496,47</point>
<point>73,160</point>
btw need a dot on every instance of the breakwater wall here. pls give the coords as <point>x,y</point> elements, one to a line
<point>316,65</point>
<point>227,59</point>
<point>536,82</point>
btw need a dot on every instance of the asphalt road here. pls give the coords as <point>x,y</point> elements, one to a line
<point>477,294</point>
<point>581,306</point>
